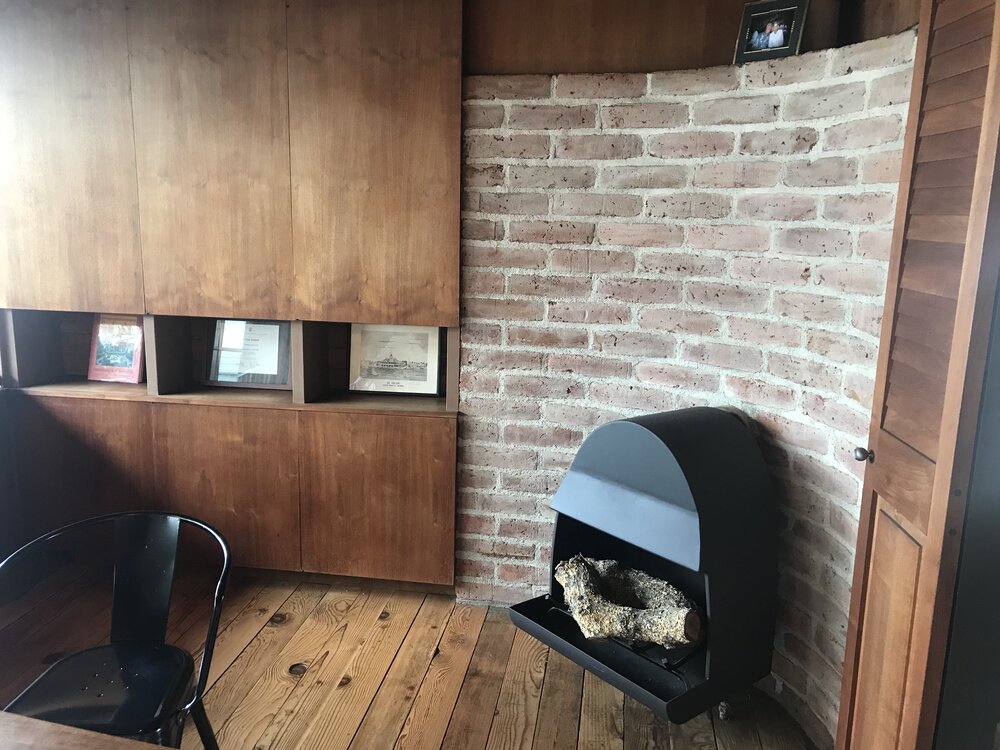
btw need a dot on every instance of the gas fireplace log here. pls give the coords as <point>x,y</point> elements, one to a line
<point>609,600</point>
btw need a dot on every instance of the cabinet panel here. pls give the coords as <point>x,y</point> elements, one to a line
<point>78,458</point>
<point>374,93</point>
<point>378,496</point>
<point>69,236</point>
<point>237,470</point>
<point>211,129</point>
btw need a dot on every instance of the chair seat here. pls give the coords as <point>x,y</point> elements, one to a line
<point>120,688</point>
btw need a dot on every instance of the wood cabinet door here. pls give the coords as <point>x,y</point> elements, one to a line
<point>378,496</point>
<point>375,97</point>
<point>235,469</point>
<point>211,132</point>
<point>77,458</point>
<point>69,230</point>
<point>942,285</point>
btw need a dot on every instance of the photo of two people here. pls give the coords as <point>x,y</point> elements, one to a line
<point>769,34</point>
<point>770,29</point>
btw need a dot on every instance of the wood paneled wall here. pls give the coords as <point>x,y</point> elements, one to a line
<point>601,36</point>
<point>870,19</point>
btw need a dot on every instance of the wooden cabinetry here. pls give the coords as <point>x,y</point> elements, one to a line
<point>235,469</point>
<point>209,90</point>
<point>378,496</point>
<point>69,230</point>
<point>942,289</point>
<point>374,89</point>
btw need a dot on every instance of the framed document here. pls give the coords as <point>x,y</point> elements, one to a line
<point>116,349</point>
<point>395,359</point>
<point>251,354</point>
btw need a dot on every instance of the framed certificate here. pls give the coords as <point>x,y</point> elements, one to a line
<point>395,359</point>
<point>116,349</point>
<point>251,354</point>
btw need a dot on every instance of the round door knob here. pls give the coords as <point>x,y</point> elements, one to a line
<point>863,454</point>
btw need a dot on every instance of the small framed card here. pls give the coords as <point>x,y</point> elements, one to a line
<point>395,359</point>
<point>770,29</point>
<point>251,354</point>
<point>116,349</point>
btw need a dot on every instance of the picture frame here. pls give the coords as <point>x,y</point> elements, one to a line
<point>770,29</point>
<point>251,354</point>
<point>116,349</point>
<point>395,359</point>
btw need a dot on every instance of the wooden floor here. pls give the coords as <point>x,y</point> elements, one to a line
<point>309,665</point>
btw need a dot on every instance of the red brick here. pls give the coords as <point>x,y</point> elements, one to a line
<point>890,90</point>
<point>737,174</point>
<point>504,309</point>
<point>589,312</point>
<point>521,530</point>
<point>815,308</point>
<point>592,261</point>
<point>470,523</point>
<point>830,170</point>
<point>542,437</point>
<point>667,176</point>
<point>645,291</point>
<point>579,364</point>
<point>729,297</point>
<point>482,115</point>
<point>745,358</point>
<point>501,359</point>
<point>807,372</point>
<point>735,110</point>
<point>468,568</point>
<point>677,376</point>
<point>767,332</point>
<point>829,101</point>
<point>729,237</point>
<point>867,317</point>
<point>481,229</point>
<point>632,344</point>
<point>548,177</point>
<point>547,386</point>
<point>769,73</point>
<point>480,333</point>
<point>551,116</point>
<point>482,175</point>
<point>697,205</point>
<point>841,347</point>
<point>771,271</point>
<point>579,415</point>
<point>476,282</point>
<point>506,87</point>
<point>640,235</point>
<point>778,207</point>
<point>513,203</point>
<point>548,337</point>
<point>779,141</point>
<point>549,286</point>
<point>689,82</point>
<point>759,392</point>
<point>503,256</point>
<point>682,264</point>
<point>814,241</point>
<point>859,389</point>
<point>491,592</point>
<point>625,396</point>
<point>496,146</point>
<point>478,382</point>
<point>645,115</point>
<point>857,278</point>
<point>554,232</point>
<point>863,133</point>
<point>876,245</point>
<point>795,433</point>
<point>882,168</point>
<point>692,144</point>
<point>600,86</point>
<point>598,146</point>
<point>498,549</point>
<point>680,321</point>
<point>497,408</point>
<point>878,54</point>
<point>834,414</point>
<point>596,204</point>
<point>869,208</point>
<point>478,478</point>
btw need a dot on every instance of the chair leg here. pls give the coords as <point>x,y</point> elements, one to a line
<point>204,726</point>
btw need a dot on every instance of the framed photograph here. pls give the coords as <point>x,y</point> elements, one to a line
<point>116,349</point>
<point>394,359</point>
<point>770,29</point>
<point>251,354</point>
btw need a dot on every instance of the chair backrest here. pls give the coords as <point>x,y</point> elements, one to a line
<point>145,562</point>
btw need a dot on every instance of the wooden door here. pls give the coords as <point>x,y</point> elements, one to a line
<point>235,469</point>
<point>211,130</point>
<point>69,232</point>
<point>375,97</point>
<point>931,361</point>
<point>378,496</point>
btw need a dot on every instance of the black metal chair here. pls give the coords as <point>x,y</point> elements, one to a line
<point>137,685</point>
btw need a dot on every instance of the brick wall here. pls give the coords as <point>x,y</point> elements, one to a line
<point>637,243</point>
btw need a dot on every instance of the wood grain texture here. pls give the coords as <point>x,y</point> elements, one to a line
<point>559,708</point>
<point>210,98</point>
<point>602,715</point>
<point>871,19</point>
<point>392,485</point>
<point>236,469</point>
<point>517,705</point>
<point>374,91</point>
<point>69,234</point>
<point>22,733</point>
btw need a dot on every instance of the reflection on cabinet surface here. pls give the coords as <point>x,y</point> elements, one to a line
<point>69,228</point>
<point>374,91</point>
<point>378,496</point>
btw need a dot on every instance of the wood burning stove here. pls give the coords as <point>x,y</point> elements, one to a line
<point>686,497</point>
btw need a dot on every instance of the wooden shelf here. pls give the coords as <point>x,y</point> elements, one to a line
<point>361,403</point>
